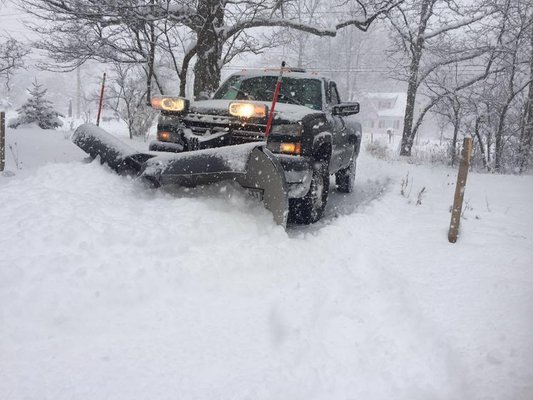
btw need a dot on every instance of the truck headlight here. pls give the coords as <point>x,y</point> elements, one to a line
<point>294,130</point>
<point>169,103</point>
<point>247,110</point>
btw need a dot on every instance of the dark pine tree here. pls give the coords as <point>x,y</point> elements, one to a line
<point>38,110</point>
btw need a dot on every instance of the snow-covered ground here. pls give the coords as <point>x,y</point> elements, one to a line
<point>109,290</point>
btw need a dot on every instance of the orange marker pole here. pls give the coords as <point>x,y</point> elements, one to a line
<point>274,101</point>
<point>101,102</point>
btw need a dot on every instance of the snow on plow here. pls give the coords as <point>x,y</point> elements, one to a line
<point>251,165</point>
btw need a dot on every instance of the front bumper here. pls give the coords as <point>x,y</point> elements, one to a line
<point>298,169</point>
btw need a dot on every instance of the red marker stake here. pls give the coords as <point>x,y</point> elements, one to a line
<point>274,101</point>
<point>101,102</point>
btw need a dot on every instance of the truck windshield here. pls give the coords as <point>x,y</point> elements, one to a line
<point>301,91</point>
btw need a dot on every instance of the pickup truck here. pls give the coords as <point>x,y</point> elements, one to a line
<point>312,134</point>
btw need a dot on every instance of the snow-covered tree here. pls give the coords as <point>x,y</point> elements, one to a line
<point>432,39</point>
<point>495,108</point>
<point>141,31</point>
<point>37,110</point>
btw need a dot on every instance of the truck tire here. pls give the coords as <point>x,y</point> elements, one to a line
<point>345,178</point>
<point>310,208</point>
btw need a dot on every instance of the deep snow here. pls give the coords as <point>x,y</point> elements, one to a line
<point>111,290</point>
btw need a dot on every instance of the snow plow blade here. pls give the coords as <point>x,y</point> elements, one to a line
<point>118,155</point>
<point>251,165</point>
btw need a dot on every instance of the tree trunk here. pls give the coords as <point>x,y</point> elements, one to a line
<point>151,58</point>
<point>150,72</point>
<point>407,136</point>
<point>480,141</point>
<point>527,133</point>
<point>416,54</point>
<point>527,136</point>
<point>456,126</point>
<point>208,47</point>
<point>183,72</point>
<point>498,141</point>
<point>454,143</point>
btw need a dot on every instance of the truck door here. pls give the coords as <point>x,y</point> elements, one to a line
<point>340,146</point>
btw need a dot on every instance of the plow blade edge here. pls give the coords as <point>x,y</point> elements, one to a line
<point>120,156</point>
<point>251,165</point>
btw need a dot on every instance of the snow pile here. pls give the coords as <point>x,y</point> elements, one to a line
<point>30,148</point>
<point>112,290</point>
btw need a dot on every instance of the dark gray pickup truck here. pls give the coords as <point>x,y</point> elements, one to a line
<point>311,134</point>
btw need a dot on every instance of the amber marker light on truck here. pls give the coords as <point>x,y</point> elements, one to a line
<point>247,110</point>
<point>163,136</point>
<point>168,103</point>
<point>290,148</point>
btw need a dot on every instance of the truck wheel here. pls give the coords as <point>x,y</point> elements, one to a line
<point>309,209</point>
<point>345,178</point>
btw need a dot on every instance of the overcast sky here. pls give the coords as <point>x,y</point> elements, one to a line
<point>12,21</point>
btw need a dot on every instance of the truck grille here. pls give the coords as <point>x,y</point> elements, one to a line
<point>201,124</point>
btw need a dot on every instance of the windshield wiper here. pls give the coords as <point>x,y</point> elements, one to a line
<point>286,96</point>
<point>248,96</point>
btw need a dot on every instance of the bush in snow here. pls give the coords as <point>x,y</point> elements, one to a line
<point>432,153</point>
<point>378,149</point>
<point>37,110</point>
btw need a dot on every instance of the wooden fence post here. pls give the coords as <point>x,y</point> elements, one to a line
<point>2,140</point>
<point>460,190</point>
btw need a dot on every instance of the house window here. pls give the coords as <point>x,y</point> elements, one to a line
<point>381,124</point>
<point>371,123</point>
<point>396,124</point>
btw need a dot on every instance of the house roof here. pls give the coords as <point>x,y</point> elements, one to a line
<point>399,101</point>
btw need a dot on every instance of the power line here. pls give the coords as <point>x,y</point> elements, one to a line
<point>465,71</point>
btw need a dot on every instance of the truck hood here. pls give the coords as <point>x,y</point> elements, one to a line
<point>283,111</point>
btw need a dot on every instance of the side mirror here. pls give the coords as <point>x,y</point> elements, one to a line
<point>345,109</point>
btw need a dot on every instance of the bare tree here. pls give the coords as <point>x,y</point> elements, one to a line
<point>450,108</point>
<point>502,96</point>
<point>526,136</point>
<point>512,77</point>
<point>430,36</point>
<point>132,31</point>
<point>127,96</point>
<point>494,109</point>
<point>12,54</point>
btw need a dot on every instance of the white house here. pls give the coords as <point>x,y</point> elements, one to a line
<point>383,112</point>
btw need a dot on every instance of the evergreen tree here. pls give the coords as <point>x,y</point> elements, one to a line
<point>37,110</point>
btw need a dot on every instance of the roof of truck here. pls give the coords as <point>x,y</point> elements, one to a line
<point>297,73</point>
